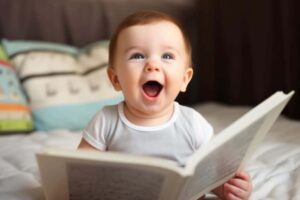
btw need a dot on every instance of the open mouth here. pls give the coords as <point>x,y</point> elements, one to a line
<point>152,88</point>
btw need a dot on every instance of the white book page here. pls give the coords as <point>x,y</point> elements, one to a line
<point>222,157</point>
<point>53,176</point>
<point>77,178</point>
<point>112,182</point>
<point>221,163</point>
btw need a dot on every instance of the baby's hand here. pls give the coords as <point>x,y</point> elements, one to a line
<point>238,188</point>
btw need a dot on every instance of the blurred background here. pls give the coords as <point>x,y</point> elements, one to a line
<point>243,51</point>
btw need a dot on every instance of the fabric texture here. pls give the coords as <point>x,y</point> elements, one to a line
<point>65,85</point>
<point>176,139</point>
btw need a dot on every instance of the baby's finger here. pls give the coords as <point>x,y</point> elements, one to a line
<point>243,175</point>
<point>240,183</point>
<point>234,192</point>
<point>231,196</point>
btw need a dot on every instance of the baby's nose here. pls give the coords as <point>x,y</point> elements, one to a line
<point>152,66</point>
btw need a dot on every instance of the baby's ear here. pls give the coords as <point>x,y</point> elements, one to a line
<point>188,74</point>
<point>113,78</point>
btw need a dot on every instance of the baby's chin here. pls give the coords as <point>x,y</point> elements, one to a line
<point>153,109</point>
<point>150,109</point>
<point>151,106</point>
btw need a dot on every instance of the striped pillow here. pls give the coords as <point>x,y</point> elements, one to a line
<point>15,114</point>
<point>65,85</point>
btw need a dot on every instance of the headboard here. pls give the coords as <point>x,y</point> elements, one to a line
<point>242,52</point>
<point>74,22</point>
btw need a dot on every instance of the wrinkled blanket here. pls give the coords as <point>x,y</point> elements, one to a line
<point>274,168</point>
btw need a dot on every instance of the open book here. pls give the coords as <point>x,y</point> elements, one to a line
<point>86,175</point>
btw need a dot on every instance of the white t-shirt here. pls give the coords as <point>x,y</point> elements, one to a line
<point>177,139</point>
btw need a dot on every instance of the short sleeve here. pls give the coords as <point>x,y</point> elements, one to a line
<point>203,130</point>
<point>94,132</point>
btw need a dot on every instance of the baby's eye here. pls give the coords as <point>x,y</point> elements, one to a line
<point>167,56</point>
<point>137,56</point>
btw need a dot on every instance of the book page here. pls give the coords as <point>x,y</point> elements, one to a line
<point>74,174</point>
<point>228,151</point>
<point>91,182</point>
<point>220,164</point>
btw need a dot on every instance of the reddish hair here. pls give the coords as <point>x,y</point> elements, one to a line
<point>143,18</point>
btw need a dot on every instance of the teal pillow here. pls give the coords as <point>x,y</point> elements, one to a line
<point>65,85</point>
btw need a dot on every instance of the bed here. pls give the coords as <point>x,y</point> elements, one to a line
<point>69,38</point>
<point>274,168</point>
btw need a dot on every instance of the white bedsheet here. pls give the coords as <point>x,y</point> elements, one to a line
<point>275,167</point>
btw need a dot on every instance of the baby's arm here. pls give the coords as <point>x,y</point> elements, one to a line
<point>85,145</point>
<point>237,188</point>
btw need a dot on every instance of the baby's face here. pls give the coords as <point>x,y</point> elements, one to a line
<point>151,66</point>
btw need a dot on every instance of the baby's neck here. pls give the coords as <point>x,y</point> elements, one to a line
<point>142,119</point>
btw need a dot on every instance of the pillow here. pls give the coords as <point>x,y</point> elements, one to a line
<point>14,111</point>
<point>65,85</point>
<point>3,56</point>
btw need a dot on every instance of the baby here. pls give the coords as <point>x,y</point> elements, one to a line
<point>150,62</point>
